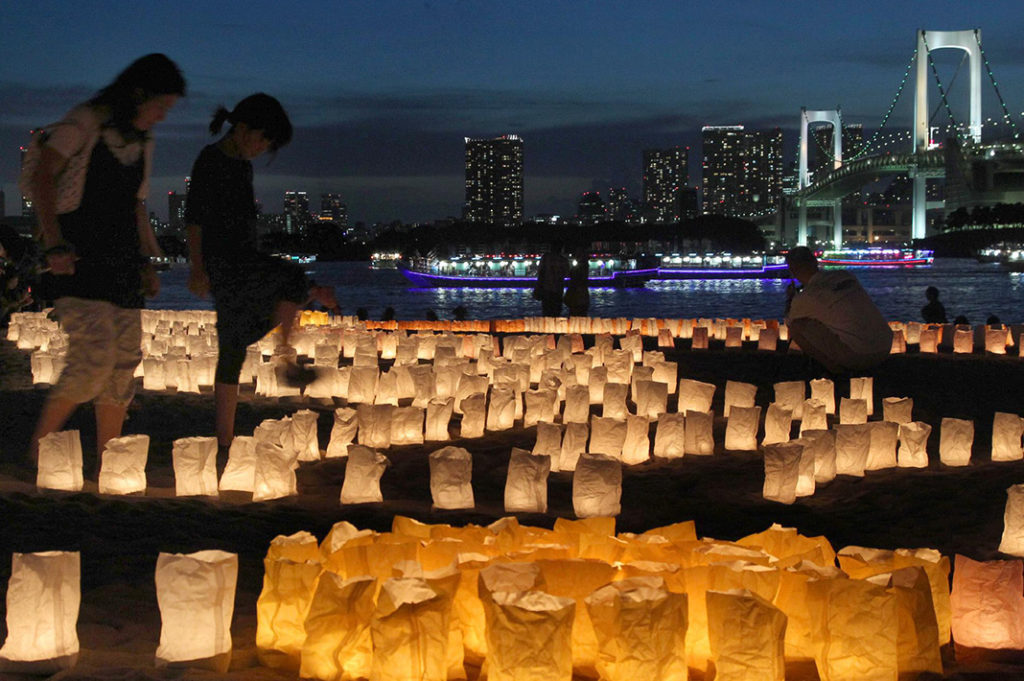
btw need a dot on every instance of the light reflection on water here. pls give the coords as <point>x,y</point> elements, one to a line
<point>967,287</point>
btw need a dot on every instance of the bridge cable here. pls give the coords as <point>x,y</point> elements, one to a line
<point>995,86</point>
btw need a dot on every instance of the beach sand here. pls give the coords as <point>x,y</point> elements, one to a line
<point>953,510</point>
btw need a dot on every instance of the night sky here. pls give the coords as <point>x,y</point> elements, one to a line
<point>383,92</point>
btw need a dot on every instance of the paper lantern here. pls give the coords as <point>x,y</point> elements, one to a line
<point>955,439</point>
<point>863,388</point>
<point>898,409</point>
<point>195,466</point>
<point>469,385</point>
<point>597,486</point>
<point>574,443</point>
<point>651,399</point>
<point>526,485</point>
<point>577,404</point>
<point>853,410</point>
<point>963,340</point>
<point>929,339</point>
<point>501,412</point>
<point>768,339</point>
<point>549,442</point>
<point>858,628</point>
<point>410,631</point>
<point>913,448</point>
<point>614,400</point>
<point>240,470</point>
<point>196,596</point>
<point>343,432</point>
<point>739,395</point>
<point>387,389</point>
<point>407,426</point>
<point>607,435</point>
<point>699,436</point>
<point>667,373</point>
<point>304,435</point>
<point>741,428</point>
<point>375,425</point>
<point>695,395</point>
<point>541,405</point>
<point>1007,430</point>
<point>821,446</point>
<point>814,416</point>
<point>153,376</point>
<point>362,384</point>
<point>43,597</point>
<point>439,415</point>
<point>123,467</point>
<point>996,340</point>
<point>424,384</point>
<point>363,472</point>
<point>882,446</point>
<point>700,338</point>
<point>529,636</point>
<point>326,385</point>
<point>791,395</point>
<point>281,609</point>
<point>665,339</point>
<point>853,442</point>
<point>1012,541</point>
<point>670,436</point>
<point>274,473</point>
<point>918,636</point>
<point>778,424</point>
<point>60,462</point>
<point>451,475</point>
<point>781,471</point>
<point>338,644</point>
<point>747,636</point>
<point>899,342</point>
<point>824,389</point>
<point>734,337</point>
<point>986,601</point>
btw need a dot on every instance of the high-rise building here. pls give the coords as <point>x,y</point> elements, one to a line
<point>494,180</point>
<point>853,141</point>
<point>333,209</point>
<point>621,206</point>
<point>176,213</point>
<point>590,209</point>
<point>742,170</point>
<point>296,212</point>
<point>666,174</point>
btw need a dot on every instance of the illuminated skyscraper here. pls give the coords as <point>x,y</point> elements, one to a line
<point>176,213</point>
<point>333,209</point>
<point>666,174</point>
<point>27,211</point>
<point>742,170</point>
<point>296,212</point>
<point>853,141</point>
<point>494,180</point>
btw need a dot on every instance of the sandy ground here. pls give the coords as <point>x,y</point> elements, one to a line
<point>954,510</point>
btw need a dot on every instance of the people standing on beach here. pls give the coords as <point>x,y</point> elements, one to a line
<point>577,293</point>
<point>832,318</point>
<point>933,312</point>
<point>551,274</point>
<point>89,189</point>
<point>252,292</point>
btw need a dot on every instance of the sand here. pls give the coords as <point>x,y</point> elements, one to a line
<point>954,510</point>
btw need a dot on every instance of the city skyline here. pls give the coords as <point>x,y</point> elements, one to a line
<point>383,96</point>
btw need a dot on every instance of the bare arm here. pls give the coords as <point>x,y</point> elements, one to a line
<point>44,190</point>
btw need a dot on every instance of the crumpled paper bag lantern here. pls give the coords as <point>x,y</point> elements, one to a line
<point>778,424</point>
<point>281,609</point>
<point>240,470</point>
<point>667,373</point>
<point>60,462</point>
<point>541,405</point>
<point>375,425</point>
<point>614,400</point>
<point>913,447</point>
<point>577,404</point>
<point>695,395</point>
<point>636,448</point>
<point>607,435</point>
<point>700,338</point>
<point>670,437</point>
<point>153,377</point>
<point>549,442</point>
<point>988,608</point>
<point>451,475</point>
<point>747,636</point>
<point>853,410</point>
<point>526,485</point>
<point>1007,430</point>
<point>362,384</point>
<point>501,412</point>
<point>529,636</point>
<point>195,466</point>
<point>853,442</point>
<point>863,388</point>
<point>407,426</point>
<point>813,416</point>
<point>474,415</point>
<point>929,339</point>
<point>304,435</point>
<point>387,389</point>
<point>963,340</point>
<point>409,630</point>
<point>768,339</point>
<point>274,475</point>
<point>469,385</point>
<point>955,439</point>
<point>882,445</point>
<point>781,471</point>
<point>598,380</point>
<point>641,630</point>
<point>898,409</point>
<point>1013,522</point>
<point>123,467</point>
<point>597,486</point>
<point>825,390</point>
<point>651,399</point>
<point>439,415</point>
<point>338,644</point>
<point>738,394</point>
<point>343,432</point>
<point>196,596</point>
<point>821,445</point>
<point>43,596</point>
<point>363,472</point>
<point>858,628</point>
<point>918,630</point>
<point>699,436</point>
<point>574,443</point>
<point>791,395</point>
<point>741,428</point>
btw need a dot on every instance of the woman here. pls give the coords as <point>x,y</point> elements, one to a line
<point>89,189</point>
<point>252,292</point>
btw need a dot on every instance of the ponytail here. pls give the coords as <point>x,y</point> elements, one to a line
<point>219,116</point>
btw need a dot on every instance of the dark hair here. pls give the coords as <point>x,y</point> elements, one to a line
<point>801,255</point>
<point>145,78</point>
<point>931,292</point>
<point>260,112</point>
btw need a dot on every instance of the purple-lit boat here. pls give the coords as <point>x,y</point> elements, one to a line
<point>518,271</point>
<point>722,266</point>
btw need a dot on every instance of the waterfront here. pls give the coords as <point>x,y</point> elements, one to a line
<point>967,287</point>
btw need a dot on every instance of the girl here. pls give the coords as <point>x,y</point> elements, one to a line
<point>89,189</point>
<point>252,292</point>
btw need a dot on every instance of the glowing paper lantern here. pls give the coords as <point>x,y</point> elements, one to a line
<point>375,425</point>
<point>529,636</point>
<point>614,400</point>
<point>363,472</point>
<point>153,376</point>
<point>996,340</point>
<point>577,404</point>
<point>898,409</point>
<point>825,390</point>
<point>651,399</point>
<point>913,448</point>
<point>667,373</point>
<point>863,388</point>
<point>636,448</point>
<point>700,338</point>
<point>195,466</point>
<point>747,636</point>
<point>597,486</point>
<point>326,385</point>
<point>196,596</point>
<point>549,442</point>
<point>43,597</point>
<point>469,385</point>
<point>699,436</point>
<point>853,442</point>
<point>281,609</point>
<point>821,445</point>
<point>781,471</point>
<point>738,394</point>
<point>541,405</point>
<point>598,379</point>
<point>451,475</point>
<point>741,428</point>
<point>501,412</point>
<point>1012,541</point>
<point>929,339</point>
<point>778,424</point>
<point>123,467</point>
<point>409,631</point>
<point>955,439</point>
<point>304,435</point>
<point>343,432</point>
<point>60,462</point>
<point>574,443</point>
<point>240,471</point>
<point>791,395</point>
<point>986,601</point>
<point>607,435</point>
<point>274,474</point>
<point>407,426</point>
<point>439,415</point>
<point>362,384</point>
<point>899,342</point>
<point>424,384</point>
<point>814,416</point>
<point>1007,430</point>
<point>853,410</point>
<point>768,339</point>
<point>338,644</point>
<point>526,486</point>
<point>695,395</point>
<point>918,631</point>
<point>858,628</point>
<point>670,436</point>
<point>963,340</point>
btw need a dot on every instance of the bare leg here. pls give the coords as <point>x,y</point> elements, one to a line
<point>225,397</point>
<point>55,414</point>
<point>284,318</point>
<point>109,421</point>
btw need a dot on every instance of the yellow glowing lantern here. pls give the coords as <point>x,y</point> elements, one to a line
<point>670,436</point>
<point>439,415</point>
<point>899,342</point>
<point>363,472</point>
<point>123,467</point>
<point>529,636</point>
<point>747,637</point>
<point>281,609</point>
<point>918,634</point>
<point>741,428</point>
<point>913,447</point>
<point>343,432</point>
<point>929,339</point>
<point>898,409</point>
<point>853,410</point>
<point>526,484</point>
<point>699,436</point>
<point>375,425</point>
<point>597,486</point>
<point>1007,430</point>
<point>986,601</point>
<point>858,629</point>
<point>195,466</point>
<point>60,462</point>
<point>956,437</point>
<point>802,619</point>
<point>409,630</point>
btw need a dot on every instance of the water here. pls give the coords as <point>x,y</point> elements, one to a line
<point>967,287</point>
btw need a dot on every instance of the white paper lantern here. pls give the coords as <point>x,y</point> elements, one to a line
<point>636,448</point>
<point>607,435</point>
<point>963,340</point>
<point>597,486</point>
<point>899,342</point>
<point>670,436</point>
<point>343,432</point>
<point>43,597</point>
<point>541,405</point>
<point>825,390</point>
<point>195,466</point>
<point>738,394</point>
<point>821,446</point>
<point>240,471</point>
<point>791,395</point>
<point>60,462</point>
<point>863,388</point>
<point>741,428</point>
<point>123,467</point>
<point>577,404</point>
<point>667,373</point>
<point>778,424</point>
<point>549,442</point>
<point>1007,430</point>
<point>501,412</point>
<point>526,485</point>
<point>700,338</point>
<point>987,604</point>
<point>913,449</point>
<point>1012,541</point>
<point>695,395</point>
<point>362,384</point>
<point>304,435</point>
<point>153,376</point>
<point>768,339</point>
<point>451,474</point>
<point>407,426</point>
<point>326,385</point>
<point>363,472</point>
<point>814,416</point>
<point>882,447</point>
<point>929,339</point>
<point>469,385</point>
<point>375,425</point>
<point>955,440</point>
<point>781,471</point>
<point>424,384</point>
<point>598,379</point>
<point>853,410</point>
<point>996,340</point>
<point>274,474</point>
<point>614,400</point>
<point>387,389</point>
<point>439,415</point>
<point>747,636</point>
<point>474,413</point>
<point>853,442</point>
<point>196,596</point>
<point>699,437</point>
<point>574,443</point>
<point>651,399</point>
<point>898,409</point>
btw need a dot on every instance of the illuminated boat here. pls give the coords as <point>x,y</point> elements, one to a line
<point>1010,258</point>
<point>384,261</point>
<point>516,271</point>
<point>722,266</point>
<point>876,257</point>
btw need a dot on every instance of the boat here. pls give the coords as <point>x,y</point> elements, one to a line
<point>384,261</point>
<point>871,256</point>
<point>722,266</point>
<point>517,271</point>
<point>1009,257</point>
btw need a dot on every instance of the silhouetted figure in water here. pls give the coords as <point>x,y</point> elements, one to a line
<point>933,312</point>
<point>361,314</point>
<point>460,313</point>
<point>431,316</point>
<point>389,314</point>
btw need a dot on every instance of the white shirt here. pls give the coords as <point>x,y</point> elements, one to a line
<point>836,299</point>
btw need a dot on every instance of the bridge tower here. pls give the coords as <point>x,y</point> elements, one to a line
<point>970,42</point>
<point>833,117</point>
